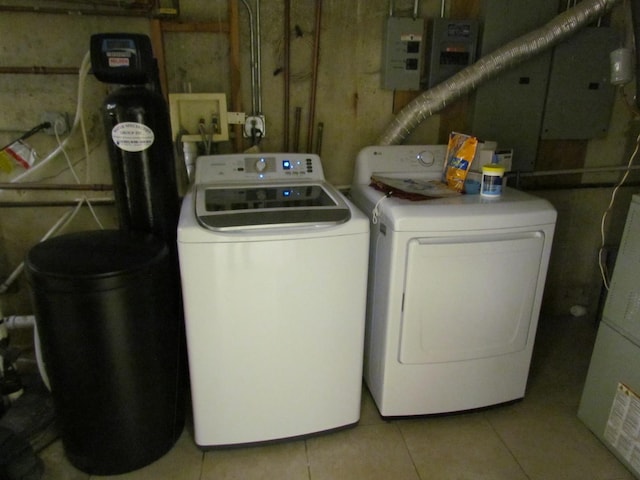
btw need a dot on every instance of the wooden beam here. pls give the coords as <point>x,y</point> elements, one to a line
<point>157,43</point>
<point>462,9</point>
<point>194,27</point>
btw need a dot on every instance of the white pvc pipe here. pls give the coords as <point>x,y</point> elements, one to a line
<point>29,321</point>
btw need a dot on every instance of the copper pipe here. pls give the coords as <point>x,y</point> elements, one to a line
<point>39,70</point>
<point>319,138</point>
<point>287,40</point>
<point>56,203</point>
<point>296,130</point>
<point>314,75</point>
<point>97,187</point>
<point>137,12</point>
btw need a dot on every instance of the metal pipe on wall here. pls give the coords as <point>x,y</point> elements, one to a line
<point>95,202</point>
<point>258,59</point>
<point>95,187</point>
<point>314,75</point>
<point>39,70</point>
<point>141,10</point>
<point>254,103</point>
<point>319,138</point>
<point>489,66</point>
<point>287,75</point>
<point>573,171</point>
<point>296,129</point>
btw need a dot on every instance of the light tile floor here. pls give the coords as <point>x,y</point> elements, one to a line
<point>538,438</point>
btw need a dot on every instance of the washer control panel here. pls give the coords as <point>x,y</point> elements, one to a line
<point>257,167</point>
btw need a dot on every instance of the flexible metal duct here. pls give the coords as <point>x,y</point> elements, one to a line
<point>489,66</point>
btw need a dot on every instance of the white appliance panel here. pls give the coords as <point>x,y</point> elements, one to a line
<point>622,308</point>
<point>610,403</point>
<point>487,301</point>
<point>274,315</point>
<point>264,346</point>
<point>615,361</point>
<point>445,331</point>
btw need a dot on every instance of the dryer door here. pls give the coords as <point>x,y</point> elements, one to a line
<point>469,297</point>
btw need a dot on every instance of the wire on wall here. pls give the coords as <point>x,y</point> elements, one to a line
<point>601,260</point>
<point>85,66</point>
<point>68,216</point>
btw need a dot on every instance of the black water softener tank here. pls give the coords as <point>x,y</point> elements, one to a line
<point>109,304</point>
<point>138,131</point>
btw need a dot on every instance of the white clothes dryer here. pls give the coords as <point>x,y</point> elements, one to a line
<point>455,287</point>
<point>273,262</point>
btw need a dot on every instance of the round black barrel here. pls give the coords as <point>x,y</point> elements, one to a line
<point>108,315</point>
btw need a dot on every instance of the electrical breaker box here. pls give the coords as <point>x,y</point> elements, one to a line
<point>453,47</point>
<point>580,96</point>
<point>509,107</point>
<point>403,53</point>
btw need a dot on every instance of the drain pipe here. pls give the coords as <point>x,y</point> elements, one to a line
<point>489,66</point>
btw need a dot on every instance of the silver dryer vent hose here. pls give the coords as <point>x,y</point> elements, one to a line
<point>489,66</point>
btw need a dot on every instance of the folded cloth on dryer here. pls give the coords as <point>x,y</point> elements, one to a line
<point>412,188</point>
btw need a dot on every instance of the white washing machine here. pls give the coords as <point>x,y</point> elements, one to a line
<point>455,287</point>
<point>273,263</point>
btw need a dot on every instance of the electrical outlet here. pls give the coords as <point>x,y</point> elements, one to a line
<point>58,123</point>
<point>254,126</point>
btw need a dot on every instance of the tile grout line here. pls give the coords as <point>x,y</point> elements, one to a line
<point>486,418</point>
<point>406,445</point>
<point>202,454</point>
<point>306,454</point>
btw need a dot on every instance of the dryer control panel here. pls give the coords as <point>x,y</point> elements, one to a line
<point>257,167</point>
<point>406,160</point>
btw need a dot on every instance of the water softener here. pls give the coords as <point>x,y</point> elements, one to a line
<point>108,303</point>
<point>138,131</point>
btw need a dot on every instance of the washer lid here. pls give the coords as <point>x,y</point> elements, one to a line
<point>274,205</point>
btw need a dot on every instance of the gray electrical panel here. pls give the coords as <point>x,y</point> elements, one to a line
<point>453,47</point>
<point>509,108</point>
<point>403,53</point>
<point>580,96</point>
